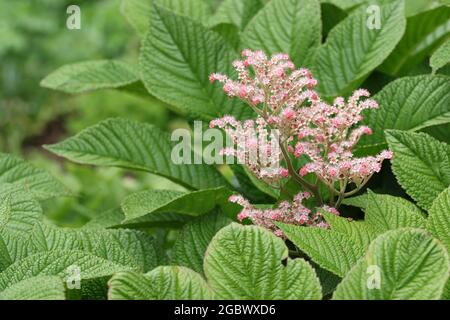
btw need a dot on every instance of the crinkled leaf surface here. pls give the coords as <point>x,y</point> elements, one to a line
<point>352,49</point>
<point>36,288</point>
<point>421,165</point>
<point>162,283</point>
<point>286,26</point>
<point>441,56</point>
<point>246,263</point>
<point>410,263</point>
<point>410,103</point>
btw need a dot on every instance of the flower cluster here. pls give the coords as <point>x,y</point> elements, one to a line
<point>255,146</point>
<point>287,212</point>
<point>323,134</point>
<point>327,134</point>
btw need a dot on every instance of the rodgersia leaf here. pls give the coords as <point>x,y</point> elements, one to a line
<point>439,218</point>
<point>36,288</point>
<point>421,165</point>
<point>410,103</point>
<point>400,264</point>
<point>138,12</point>
<point>424,32</point>
<point>354,47</point>
<point>58,263</point>
<point>162,283</point>
<point>16,171</point>
<point>332,250</point>
<point>132,145</point>
<point>386,212</point>
<point>290,26</point>
<point>190,247</point>
<point>177,57</point>
<point>441,56</point>
<point>124,247</point>
<point>91,75</point>
<point>246,263</point>
<point>152,205</point>
<point>236,12</point>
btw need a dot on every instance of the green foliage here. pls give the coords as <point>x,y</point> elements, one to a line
<point>411,265</point>
<point>352,49</point>
<point>421,165</point>
<point>157,229</point>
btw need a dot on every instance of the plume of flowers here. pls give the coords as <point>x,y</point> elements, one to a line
<point>323,134</point>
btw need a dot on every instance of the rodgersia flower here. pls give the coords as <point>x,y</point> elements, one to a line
<point>323,134</point>
<point>287,212</point>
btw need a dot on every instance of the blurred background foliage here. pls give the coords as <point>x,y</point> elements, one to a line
<point>34,41</point>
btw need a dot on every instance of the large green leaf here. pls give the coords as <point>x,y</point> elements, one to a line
<point>19,211</point>
<point>441,56</point>
<point>236,12</point>
<point>289,26</point>
<point>162,283</point>
<point>190,247</point>
<point>344,4</point>
<point>124,247</point>
<point>16,171</point>
<point>424,32</point>
<point>410,103</point>
<point>91,75</point>
<point>421,165</point>
<point>332,250</point>
<point>353,50</point>
<point>177,57</point>
<point>439,218</point>
<point>57,263</point>
<point>411,264</point>
<point>129,144</point>
<point>138,12</point>
<point>385,212</point>
<point>360,232</point>
<point>36,288</point>
<point>150,205</point>
<point>246,263</point>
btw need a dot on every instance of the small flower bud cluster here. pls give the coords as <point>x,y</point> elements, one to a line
<point>287,212</point>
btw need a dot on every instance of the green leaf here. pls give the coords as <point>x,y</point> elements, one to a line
<point>353,50</point>
<point>36,288</point>
<point>19,211</point>
<point>410,103</point>
<point>385,212</point>
<point>149,205</point>
<point>124,247</point>
<point>332,250</point>
<point>236,12</point>
<point>91,75</point>
<point>424,32</point>
<point>261,185</point>
<point>439,218</point>
<point>16,171</point>
<point>412,265</point>
<point>358,201</point>
<point>246,263</point>
<point>57,263</point>
<point>289,26</point>
<point>441,56</point>
<point>177,57</point>
<point>138,12</point>
<point>190,247</point>
<point>360,232</point>
<point>162,283</point>
<point>421,165</point>
<point>344,4</point>
<point>132,145</point>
